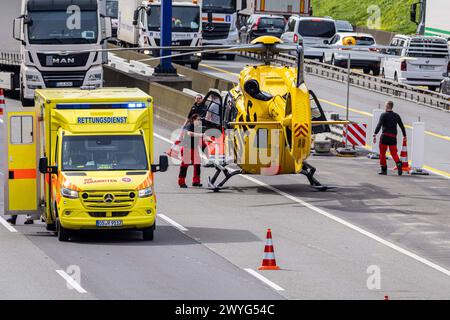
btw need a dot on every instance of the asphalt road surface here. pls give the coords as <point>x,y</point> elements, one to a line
<point>372,236</point>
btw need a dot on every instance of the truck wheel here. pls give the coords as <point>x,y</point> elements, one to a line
<point>231,57</point>
<point>366,71</point>
<point>433,88</point>
<point>194,65</point>
<point>63,233</point>
<point>148,234</point>
<point>376,72</point>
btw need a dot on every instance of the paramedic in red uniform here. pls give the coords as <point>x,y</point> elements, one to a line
<point>190,155</point>
<point>389,121</point>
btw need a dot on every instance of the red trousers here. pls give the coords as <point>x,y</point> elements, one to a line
<point>189,159</point>
<point>394,154</point>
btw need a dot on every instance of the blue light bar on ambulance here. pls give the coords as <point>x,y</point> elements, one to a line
<point>100,106</point>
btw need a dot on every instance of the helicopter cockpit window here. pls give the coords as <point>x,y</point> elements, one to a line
<point>315,111</point>
<point>230,110</point>
<point>213,109</point>
<point>317,114</point>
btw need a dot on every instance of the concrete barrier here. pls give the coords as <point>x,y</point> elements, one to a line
<point>201,82</point>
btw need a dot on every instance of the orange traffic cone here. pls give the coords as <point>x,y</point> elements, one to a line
<point>269,262</point>
<point>2,102</point>
<point>404,158</point>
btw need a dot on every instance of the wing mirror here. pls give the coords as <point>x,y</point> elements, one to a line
<point>17,29</point>
<point>44,168</point>
<point>326,42</point>
<point>243,29</point>
<point>446,74</point>
<point>135,17</point>
<point>107,21</point>
<point>162,166</point>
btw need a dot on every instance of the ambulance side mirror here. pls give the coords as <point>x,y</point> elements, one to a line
<point>44,168</point>
<point>162,166</point>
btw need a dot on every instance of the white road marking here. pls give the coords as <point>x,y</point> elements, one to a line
<point>343,222</point>
<point>7,225</point>
<point>351,226</point>
<point>162,138</point>
<point>264,279</point>
<point>173,223</point>
<point>71,281</point>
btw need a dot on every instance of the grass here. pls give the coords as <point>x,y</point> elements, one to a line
<point>395,14</point>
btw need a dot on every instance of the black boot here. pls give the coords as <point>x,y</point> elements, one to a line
<point>383,171</point>
<point>400,168</point>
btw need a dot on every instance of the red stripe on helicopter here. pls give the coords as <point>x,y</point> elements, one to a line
<point>301,130</point>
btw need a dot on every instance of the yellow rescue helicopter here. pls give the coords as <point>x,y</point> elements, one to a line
<point>267,121</point>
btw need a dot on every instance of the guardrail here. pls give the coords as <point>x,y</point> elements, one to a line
<point>377,84</point>
<point>10,58</point>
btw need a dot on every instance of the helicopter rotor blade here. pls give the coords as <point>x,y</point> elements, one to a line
<point>231,49</point>
<point>193,49</point>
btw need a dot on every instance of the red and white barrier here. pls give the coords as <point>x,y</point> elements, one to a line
<point>355,134</point>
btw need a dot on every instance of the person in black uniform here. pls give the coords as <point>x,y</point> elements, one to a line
<point>389,121</point>
<point>197,108</point>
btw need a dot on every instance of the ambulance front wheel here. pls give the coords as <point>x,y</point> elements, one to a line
<point>148,234</point>
<point>63,233</point>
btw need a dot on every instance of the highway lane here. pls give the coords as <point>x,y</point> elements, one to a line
<point>121,266</point>
<point>333,98</point>
<point>321,257</point>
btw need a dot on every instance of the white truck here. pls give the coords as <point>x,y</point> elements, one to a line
<point>32,46</point>
<point>140,26</point>
<point>279,7</point>
<point>432,17</point>
<point>222,19</point>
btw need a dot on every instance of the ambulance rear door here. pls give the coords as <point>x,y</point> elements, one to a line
<point>21,192</point>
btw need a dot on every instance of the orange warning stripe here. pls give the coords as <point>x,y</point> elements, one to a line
<point>24,174</point>
<point>214,19</point>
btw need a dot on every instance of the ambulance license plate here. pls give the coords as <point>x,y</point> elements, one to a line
<point>109,223</point>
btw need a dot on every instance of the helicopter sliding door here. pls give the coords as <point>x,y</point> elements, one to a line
<point>214,110</point>
<point>317,114</point>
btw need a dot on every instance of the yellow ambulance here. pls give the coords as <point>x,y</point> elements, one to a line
<point>84,160</point>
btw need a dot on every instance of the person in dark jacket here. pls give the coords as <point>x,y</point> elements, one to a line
<point>389,121</point>
<point>197,108</point>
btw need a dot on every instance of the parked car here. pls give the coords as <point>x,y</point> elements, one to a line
<point>312,31</point>
<point>367,59</point>
<point>344,26</point>
<point>262,25</point>
<point>445,84</point>
<point>418,60</point>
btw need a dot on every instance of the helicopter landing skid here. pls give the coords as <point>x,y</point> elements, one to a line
<point>309,171</point>
<point>228,172</point>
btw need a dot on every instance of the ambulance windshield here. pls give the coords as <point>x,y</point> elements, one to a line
<point>103,153</point>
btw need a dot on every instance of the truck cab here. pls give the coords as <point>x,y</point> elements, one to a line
<point>140,26</point>
<point>45,29</point>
